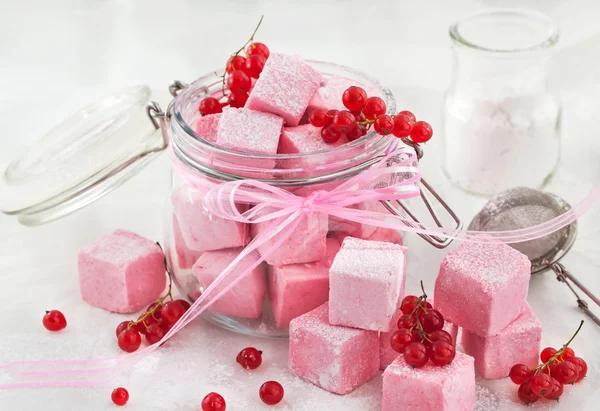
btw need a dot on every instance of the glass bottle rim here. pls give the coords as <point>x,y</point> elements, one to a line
<point>192,149</point>
<point>549,27</point>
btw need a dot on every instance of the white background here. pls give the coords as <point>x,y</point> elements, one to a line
<point>57,56</point>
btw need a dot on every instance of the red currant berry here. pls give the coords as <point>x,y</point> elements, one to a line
<point>237,100</point>
<point>249,358</point>
<point>409,303</point>
<point>541,384</point>
<point>403,126</point>
<point>54,321</point>
<point>401,339</point>
<point>441,353</point>
<point>374,107</point>
<point>546,354</point>
<point>520,374</point>
<point>418,336</point>
<point>357,132</point>
<point>557,391</point>
<point>239,82</point>
<point>120,396</point>
<point>156,314</point>
<point>129,340</point>
<point>142,326</point>
<point>343,121</point>
<point>581,367</point>
<point>329,134</point>
<point>213,402</point>
<point>122,327</point>
<point>567,353</point>
<point>432,321</point>
<point>408,114</point>
<point>406,321</point>
<point>186,305</point>
<point>415,355</point>
<point>235,63</point>
<point>319,118</point>
<point>384,125</point>
<point>271,392</point>
<point>526,394</point>
<point>258,48</point>
<point>565,372</point>
<point>155,333</point>
<point>171,312</point>
<point>209,105</point>
<point>421,132</point>
<point>254,65</point>
<point>354,98</point>
<point>441,335</point>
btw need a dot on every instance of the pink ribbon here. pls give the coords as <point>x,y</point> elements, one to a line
<point>395,177</point>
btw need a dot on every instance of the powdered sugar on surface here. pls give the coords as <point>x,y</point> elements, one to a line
<point>249,131</point>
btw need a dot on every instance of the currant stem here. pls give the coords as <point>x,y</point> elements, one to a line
<point>558,353</point>
<point>251,40</point>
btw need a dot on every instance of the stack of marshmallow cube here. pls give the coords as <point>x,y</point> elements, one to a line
<point>482,288</point>
<point>295,276</point>
<point>337,345</point>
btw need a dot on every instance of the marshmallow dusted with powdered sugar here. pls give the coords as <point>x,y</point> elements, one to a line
<point>448,388</point>
<point>285,86</point>
<point>366,281</point>
<point>121,272</point>
<point>518,343</point>
<point>337,359</point>
<point>482,287</point>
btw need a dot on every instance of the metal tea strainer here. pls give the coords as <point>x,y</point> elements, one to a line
<point>523,207</point>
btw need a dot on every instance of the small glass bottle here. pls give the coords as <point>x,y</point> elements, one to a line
<point>501,121</point>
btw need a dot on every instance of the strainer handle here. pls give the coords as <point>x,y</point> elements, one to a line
<point>562,275</point>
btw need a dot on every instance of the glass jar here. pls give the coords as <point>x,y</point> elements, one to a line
<point>501,121</point>
<point>200,245</point>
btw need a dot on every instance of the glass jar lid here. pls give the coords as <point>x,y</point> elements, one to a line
<point>85,157</point>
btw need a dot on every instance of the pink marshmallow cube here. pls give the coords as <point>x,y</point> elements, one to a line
<point>284,88</point>
<point>306,244</point>
<point>207,127</point>
<point>305,139</point>
<point>121,272</point>
<point>329,95</point>
<point>366,280</point>
<point>358,230</point>
<point>493,278</point>
<point>388,354</point>
<point>386,235</point>
<point>250,131</point>
<point>337,359</point>
<point>185,257</point>
<point>518,343</point>
<point>201,230</point>
<point>296,289</point>
<point>430,388</point>
<point>247,297</point>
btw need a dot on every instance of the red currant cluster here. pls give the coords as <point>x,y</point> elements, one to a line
<point>271,392</point>
<point>153,323</point>
<point>420,336</point>
<point>363,113</point>
<point>559,367</point>
<point>237,79</point>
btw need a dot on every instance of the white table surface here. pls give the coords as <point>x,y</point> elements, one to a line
<point>59,56</point>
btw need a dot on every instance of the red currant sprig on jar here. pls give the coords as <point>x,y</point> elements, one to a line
<point>238,75</point>
<point>420,336</point>
<point>363,113</point>
<point>547,380</point>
